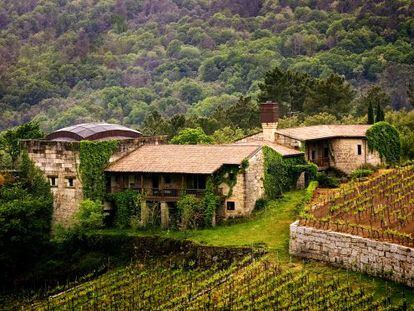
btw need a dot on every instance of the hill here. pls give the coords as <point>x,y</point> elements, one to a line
<point>117,60</point>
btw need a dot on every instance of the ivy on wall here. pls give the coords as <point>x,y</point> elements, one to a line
<point>281,174</point>
<point>127,205</point>
<point>228,175</point>
<point>385,139</point>
<point>94,157</point>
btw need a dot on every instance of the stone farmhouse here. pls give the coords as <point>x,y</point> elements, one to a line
<point>343,147</point>
<point>164,172</point>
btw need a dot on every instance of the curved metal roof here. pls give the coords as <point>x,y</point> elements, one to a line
<point>93,131</point>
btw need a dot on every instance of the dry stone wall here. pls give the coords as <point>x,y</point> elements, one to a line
<point>391,261</point>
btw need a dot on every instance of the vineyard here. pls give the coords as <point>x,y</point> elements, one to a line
<point>380,208</point>
<point>253,283</point>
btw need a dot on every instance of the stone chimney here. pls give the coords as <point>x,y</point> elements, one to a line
<point>269,117</point>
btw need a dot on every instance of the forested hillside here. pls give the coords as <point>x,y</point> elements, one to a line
<point>70,61</point>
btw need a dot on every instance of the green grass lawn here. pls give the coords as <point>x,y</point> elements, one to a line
<point>270,228</point>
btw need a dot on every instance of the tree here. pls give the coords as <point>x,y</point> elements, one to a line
<point>227,135</point>
<point>379,116</point>
<point>9,140</point>
<point>25,220</point>
<point>191,136</point>
<point>370,114</point>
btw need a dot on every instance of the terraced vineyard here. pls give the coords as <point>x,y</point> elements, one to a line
<point>381,207</point>
<point>249,284</point>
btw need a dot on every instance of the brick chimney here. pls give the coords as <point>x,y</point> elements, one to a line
<point>269,117</point>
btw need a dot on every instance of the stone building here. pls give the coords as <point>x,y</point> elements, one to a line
<point>58,157</point>
<point>340,146</point>
<point>164,173</point>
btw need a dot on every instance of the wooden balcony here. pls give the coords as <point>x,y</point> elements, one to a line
<point>169,195</point>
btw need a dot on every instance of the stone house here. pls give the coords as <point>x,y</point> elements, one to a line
<point>343,147</point>
<point>163,173</point>
<point>58,157</point>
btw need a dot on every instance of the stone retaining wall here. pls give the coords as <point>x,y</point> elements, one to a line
<point>391,261</point>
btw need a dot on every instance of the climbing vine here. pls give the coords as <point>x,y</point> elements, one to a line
<point>281,174</point>
<point>127,205</point>
<point>94,157</point>
<point>385,139</point>
<point>228,175</point>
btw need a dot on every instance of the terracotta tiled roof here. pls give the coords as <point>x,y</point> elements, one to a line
<point>324,131</point>
<point>191,159</point>
<point>258,140</point>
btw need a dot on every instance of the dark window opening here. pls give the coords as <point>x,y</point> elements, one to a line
<point>167,179</point>
<point>155,182</point>
<point>313,155</point>
<point>70,181</point>
<point>231,206</point>
<point>326,152</point>
<point>53,181</point>
<point>359,149</point>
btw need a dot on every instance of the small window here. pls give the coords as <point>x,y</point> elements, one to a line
<point>313,156</point>
<point>231,206</point>
<point>167,179</point>
<point>53,181</point>
<point>326,152</point>
<point>359,149</point>
<point>70,182</point>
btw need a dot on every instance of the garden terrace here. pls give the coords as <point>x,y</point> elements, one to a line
<point>380,207</point>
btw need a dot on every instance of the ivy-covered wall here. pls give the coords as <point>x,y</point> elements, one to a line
<point>281,174</point>
<point>385,139</point>
<point>94,157</point>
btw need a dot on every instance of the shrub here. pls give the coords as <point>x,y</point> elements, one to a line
<point>191,212</point>
<point>90,215</point>
<point>326,181</point>
<point>127,204</point>
<point>368,166</point>
<point>260,204</point>
<point>359,173</point>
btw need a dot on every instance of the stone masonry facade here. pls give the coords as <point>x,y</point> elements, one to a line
<point>59,160</point>
<point>388,260</point>
<point>248,189</point>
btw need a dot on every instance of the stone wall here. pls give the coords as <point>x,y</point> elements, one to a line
<point>248,189</point>
<point>346,157</point>
<point>59,160</point>
<point>391,261</point>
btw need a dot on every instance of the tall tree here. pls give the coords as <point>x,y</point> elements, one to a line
<point>371,119</point>
<point>379,114</point>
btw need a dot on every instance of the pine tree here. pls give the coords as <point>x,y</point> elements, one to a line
<point>370,114</point>
<point>380,114</point>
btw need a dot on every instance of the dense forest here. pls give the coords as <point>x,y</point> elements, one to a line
<point>133,62</point>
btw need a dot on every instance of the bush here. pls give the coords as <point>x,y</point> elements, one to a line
<point>359,173</point>
<point>191,212</point>
<point>260,204</point>
<point>326,181</point>
<point>127,204</point>
<point>90,215</point>
<point>368,166</point>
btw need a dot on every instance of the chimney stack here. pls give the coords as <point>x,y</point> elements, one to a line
<point>269,117</point>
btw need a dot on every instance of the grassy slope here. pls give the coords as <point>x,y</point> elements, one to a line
<point>271,227</point>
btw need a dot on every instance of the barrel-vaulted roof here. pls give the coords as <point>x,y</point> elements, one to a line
<point>183,159</point>
<point>93,131</point>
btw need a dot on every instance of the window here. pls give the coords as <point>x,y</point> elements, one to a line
<point>326,152</point>
<point>313,156</point>
<point>70,182</point>
<point>53,181</point>
<point>359,149</point>
<point>231,206</point>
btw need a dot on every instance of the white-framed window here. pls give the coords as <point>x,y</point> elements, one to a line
<point>70,182</point>
<point>53,181</point>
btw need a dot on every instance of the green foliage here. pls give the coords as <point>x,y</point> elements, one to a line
<point>94,157</point>
<point>379,114</point>
<point>359,173</point>
<point>127,206</point>
<point>90,215</point>
<point>9,140</point>
<point>227,135</point>
<point>191,136</point>
<point>326,181</point>
<point>281,174</point>
<point>25,220</point>
<point>371,119</point>
<point>191,212</point>
<point>385,139</point>
<point>192,56</point>
<point>211,202</point>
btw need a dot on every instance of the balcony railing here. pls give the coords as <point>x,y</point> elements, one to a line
<point>156,192</point>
